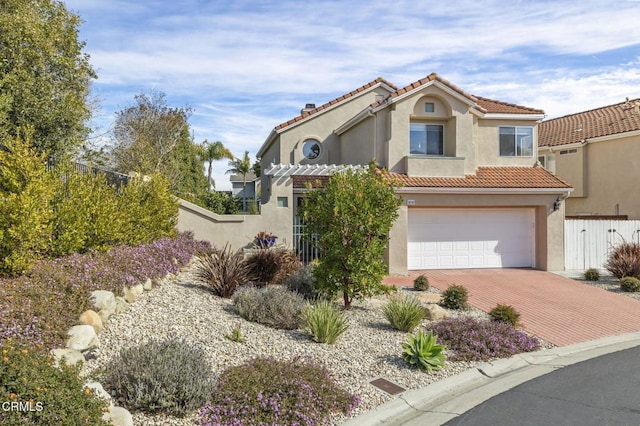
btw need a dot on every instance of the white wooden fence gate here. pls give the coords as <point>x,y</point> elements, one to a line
<point>587,243</point>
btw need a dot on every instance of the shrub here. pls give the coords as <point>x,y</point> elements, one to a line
<point>324,322</point>
<point>223,271</point>
<point>421,283</point>
<point>272,266</point>
<point>160,376</point>
<point>151,210</point>
<point>624,261</point>
<point>592,274</point>
<point>55,393</point>
<point>479,340</point>
<point>505,313</point>
<point>629,284</point>
<point>422,351</point>
<point>275,307</point>
<point>303,282</point>
<point>455,297</point>
<point>87,215</point>
<point>266,391</point>
<point>25,212</point>
<point>404,313</point>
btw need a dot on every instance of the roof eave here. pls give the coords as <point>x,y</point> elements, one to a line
<point>415,90</point>
<point>489,191</point>
<point>503,116</point>
<point>267,143</point>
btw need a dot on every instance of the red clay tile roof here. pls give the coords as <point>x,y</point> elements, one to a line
<point>489,177</point>
<point>485,177</point>
<point>499,107</point>
<point>579,127</point>
<point>483,104</point>
<point>335,101</point>
<point>431,77</point>
<point>300,181</point>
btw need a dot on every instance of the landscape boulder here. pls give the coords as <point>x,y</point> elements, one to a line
<point>91,318</point>
<point>82,338</point>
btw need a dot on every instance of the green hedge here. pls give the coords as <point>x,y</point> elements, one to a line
<point>54,213</point>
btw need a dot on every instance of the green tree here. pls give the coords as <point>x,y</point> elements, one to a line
<point>152,137</point>
<point>257,168</point>
<point>44,75</point>
<point>213,151</point>
<point>26,216</point>
<point>241,166</point>
<point>351,217</point>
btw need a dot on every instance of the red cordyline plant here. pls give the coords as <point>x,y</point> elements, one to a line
<point>624,260</point>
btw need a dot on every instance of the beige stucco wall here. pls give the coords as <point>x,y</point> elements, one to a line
<point>357,145</point>
<point>321,127</point>
<point>573,168</point>
<point>612,170</point>
<point>239,230</point>
<point>487,137</point>
<point>452,113</point>
<point>549,232</point>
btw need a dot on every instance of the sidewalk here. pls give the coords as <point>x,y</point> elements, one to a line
<point>444,400</point>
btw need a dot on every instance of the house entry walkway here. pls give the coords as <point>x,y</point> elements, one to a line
<point>554,308</point>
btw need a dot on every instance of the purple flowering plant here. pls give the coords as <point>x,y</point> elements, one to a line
<point>266,391</point>
<point>39,308</point>
<point>469,339</point>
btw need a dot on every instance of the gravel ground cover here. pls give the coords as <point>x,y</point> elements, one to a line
<point>181,307</point>
<point>609,283</point>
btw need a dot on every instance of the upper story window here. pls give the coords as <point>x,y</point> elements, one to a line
<point>426,139</point>
<point>429,107</point>
<point>311,149</point>
<point>516,141</point>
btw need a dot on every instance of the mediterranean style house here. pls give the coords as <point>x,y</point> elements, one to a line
<point>474,195</point>
<point>598,152</point>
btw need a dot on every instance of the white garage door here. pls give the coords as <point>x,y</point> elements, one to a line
<point>470,238</point>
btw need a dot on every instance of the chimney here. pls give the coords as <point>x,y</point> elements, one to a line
<point>307,108</point>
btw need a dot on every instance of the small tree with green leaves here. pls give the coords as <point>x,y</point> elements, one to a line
<point>242,167</point>
<point>352,217</point>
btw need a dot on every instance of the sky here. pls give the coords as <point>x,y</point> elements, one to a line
<point>245,66</point>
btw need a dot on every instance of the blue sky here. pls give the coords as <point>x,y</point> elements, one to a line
<point>246,66</point>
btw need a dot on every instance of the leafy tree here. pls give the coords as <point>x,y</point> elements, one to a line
<point>351,217</point>
<point>44,76</point>
<point>213,151</point>
<point>26,217</point>
<point>152,137</point>
<point>257,168</point>
<point>241,167</point>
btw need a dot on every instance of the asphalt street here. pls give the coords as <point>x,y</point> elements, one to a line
<point>600,391</point>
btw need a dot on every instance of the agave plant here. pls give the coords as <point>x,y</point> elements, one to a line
<point>423,352</point>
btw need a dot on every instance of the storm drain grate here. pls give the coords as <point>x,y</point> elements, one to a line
<point>387,386</point>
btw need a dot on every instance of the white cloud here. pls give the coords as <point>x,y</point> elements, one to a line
<point>247,66</point>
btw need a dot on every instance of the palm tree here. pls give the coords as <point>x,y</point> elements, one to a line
<point>241,167</point>
<point>211,152</point>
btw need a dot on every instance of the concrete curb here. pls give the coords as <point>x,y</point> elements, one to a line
<point>446,399</point>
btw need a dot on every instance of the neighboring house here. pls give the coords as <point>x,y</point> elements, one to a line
<point>473,193</point>
<point>240,190</point>
<point>598,153</point>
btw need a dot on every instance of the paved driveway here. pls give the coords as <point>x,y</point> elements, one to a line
<point>557,309</point>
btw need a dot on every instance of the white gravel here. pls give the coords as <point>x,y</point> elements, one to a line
<point>607,282</point>
<point>181,307</point>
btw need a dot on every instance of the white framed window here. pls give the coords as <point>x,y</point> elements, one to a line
<point>426,139</point>
<point>429,107</point>
<point>516,141</point>
<point>568,151</point>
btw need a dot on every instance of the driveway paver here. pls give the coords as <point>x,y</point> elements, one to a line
<point>554,308</point>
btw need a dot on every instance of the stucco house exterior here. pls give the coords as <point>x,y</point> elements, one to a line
<point>598,153</point>
<point>473,193</point>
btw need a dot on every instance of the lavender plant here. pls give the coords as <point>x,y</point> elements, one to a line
<point>479,340</point>
<point>266,391</point>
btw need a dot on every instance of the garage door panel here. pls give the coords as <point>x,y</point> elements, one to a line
<point>470,238</point>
